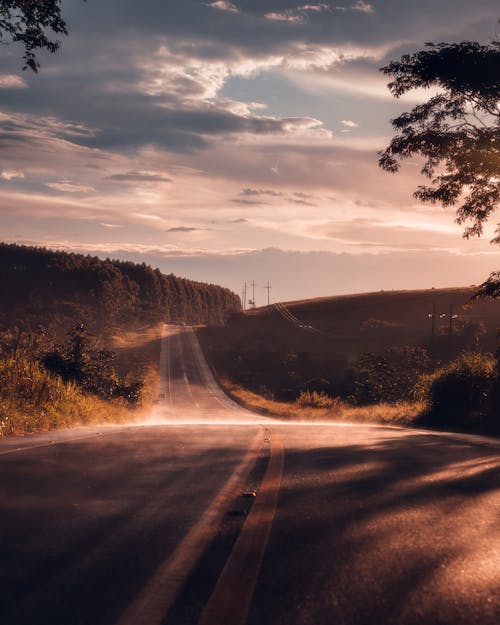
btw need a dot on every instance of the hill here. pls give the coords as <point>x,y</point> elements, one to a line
<point>38,285</point>
<point>80,336</point>
<point>320,344</point>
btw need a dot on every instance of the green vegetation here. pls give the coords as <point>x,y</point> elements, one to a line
<point>46,385</point>
<point>32,24</point>
<point>456,131</point>
<point>80,337</point>
<point>395,357</point>
<point>93,370</point>
<point>320,407</point>
<point>57,289</point>
<point>463,393</point>
<point>32,400</point>
<point>389,376</point>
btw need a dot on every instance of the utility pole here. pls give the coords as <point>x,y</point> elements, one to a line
<point>245,296</point>
<point>432,315</point>
<point>253,292</point>
<point>268,287</point>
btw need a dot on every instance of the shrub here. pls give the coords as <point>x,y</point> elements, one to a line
<point>94,371</point>
<point>308,399</point>
<point>459,393</point>
<point>389,376</point>
<point>32,400</point>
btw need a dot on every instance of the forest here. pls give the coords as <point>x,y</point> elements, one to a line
<point>80,336</point>
<point>39,285</point>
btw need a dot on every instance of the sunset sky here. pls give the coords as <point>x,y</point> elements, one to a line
<point>232,141</point>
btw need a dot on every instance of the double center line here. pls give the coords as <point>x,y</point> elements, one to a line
<point>232,595</point>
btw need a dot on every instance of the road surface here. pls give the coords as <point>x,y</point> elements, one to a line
<point>211,515</point>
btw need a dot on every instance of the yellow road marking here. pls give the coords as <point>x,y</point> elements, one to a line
<point>232,595</point>
<point>159,594</point>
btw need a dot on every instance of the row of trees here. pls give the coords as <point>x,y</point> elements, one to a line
<point>38,285</point>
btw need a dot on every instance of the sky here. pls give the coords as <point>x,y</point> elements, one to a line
<point>234,141</point>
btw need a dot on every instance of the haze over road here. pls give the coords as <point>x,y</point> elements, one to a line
<point>158,524</point>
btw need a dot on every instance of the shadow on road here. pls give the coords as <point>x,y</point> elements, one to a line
<point>399,531</point>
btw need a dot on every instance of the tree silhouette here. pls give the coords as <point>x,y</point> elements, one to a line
<point>47,285</point>
<point>456,131</point>
<point>27,22</point>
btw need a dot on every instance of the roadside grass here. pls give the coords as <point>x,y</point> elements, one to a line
<point>402,413</point>
<point>34,400</point>
<point>138,353</point>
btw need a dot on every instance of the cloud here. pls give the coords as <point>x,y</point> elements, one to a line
<point>69,187</point>
<point>304,196</point>
<point>117,250</point>
<point>243,202</point>
<point>183,229</point>
<point>220,100</point>
<point>362,6</point>
<point>105,225</point>
<point>30,124</point>
<point>222,5</point>
<point>318,8</point>
<point>304,12</point>
<point>294,274</point>
<point>148,216</point>
<point>11,174</point>
<point>285,16</point>
<point>271,192</point>
<point>11,81</point>
<point>349,123</point>
<point>139,176</point>
<point>302,202</point>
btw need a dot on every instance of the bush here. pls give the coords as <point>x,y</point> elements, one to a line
<point>389,376</point>
<point>33,400</point>
<point>459,393</point>
<point>93,370</point>
<point>308,399</point>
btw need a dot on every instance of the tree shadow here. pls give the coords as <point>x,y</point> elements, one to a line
<point>400,531</point>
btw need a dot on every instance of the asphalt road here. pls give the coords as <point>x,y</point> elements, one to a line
<point>208,514</point>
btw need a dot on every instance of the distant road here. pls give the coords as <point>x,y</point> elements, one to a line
<point>211,515</point>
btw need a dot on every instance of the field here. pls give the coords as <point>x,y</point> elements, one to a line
<point>326,345</point>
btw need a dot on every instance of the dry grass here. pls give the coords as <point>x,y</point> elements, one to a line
<point>138,352</point>
<point>140,339</point>
<point>404,413</point>
<point>33,400</point>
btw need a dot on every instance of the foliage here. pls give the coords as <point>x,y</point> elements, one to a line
<point>316,400</point>
<point>27,23</point>
<point>490,288</point>
<point>456,132</point>
<point>39,286</point>
<point>32,399</point>
<point>390,375</point>
<point>92,370</point>
<point>459,392</point>
<point>402,413</point>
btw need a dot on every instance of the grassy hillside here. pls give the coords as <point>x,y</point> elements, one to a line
<point>364,349</point>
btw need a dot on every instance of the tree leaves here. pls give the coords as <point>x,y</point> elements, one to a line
<point>456,132</point>
<point>27,22</point>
